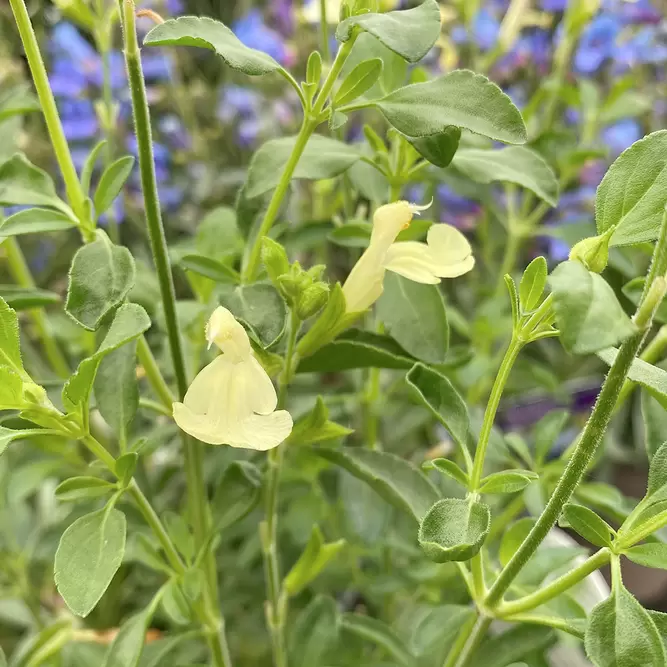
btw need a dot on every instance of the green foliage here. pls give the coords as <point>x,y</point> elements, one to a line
<point>532,284</point>
<point>236,494</point>
<point>507,481</point>
<point>358,81</point>
<point>111,183</point>
<point>35,221</point>
<point>588,524</point>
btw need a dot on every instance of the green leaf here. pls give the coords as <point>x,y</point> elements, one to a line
<point>588,524</point>
<point>621,632</point>
<point>415,316</point>
<point>647,375</point>
<point>380,634</point>
<point>313,560</point>
<point>209,34</point>
<point>89,165</point>
<point>116,389</point>
<point>655,423</point>
<point>317,427</point>
<point>259,307</point>
<point>657,475</point>
<point>129,322</point>
<point>237,493</point>
<point>460,98</point>
<point>356,349</point>
<point>532,284</point>
<point>513,537</point>
<point>336,121</point>
<point>101,276</point>
<point>358,81</point>
<point>392,477</point>
<point>11,389</point>
<point>588,314</point>
<point>111,183</point>
<point>83,488</point>
<point>510,164</point>
<point>17,101</point>
<point>507,481</point>
<point>631,196</point>
<point>21,298</point>
<point>88,556</point>
<point>10,351</point>
<point>653,554</point>
<point>410,33</point>
<point>449,468</point>
<point>210,268</point>
<point>127,646</point>
<point>125,467</point>
<point>8,435</point>
<point>454,529</point>
<point>314,632</point>
<point>24,184</point>
<point>351,235</point>
<point>437,393</point>
<point>35,221</point>
<point>322,158</point>
<point>439,149</point>
<point>45,644</point>
<point>516,644</point>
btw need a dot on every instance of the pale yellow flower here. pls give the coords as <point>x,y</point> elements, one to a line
<point>232,401</point>
<point>446,254</point>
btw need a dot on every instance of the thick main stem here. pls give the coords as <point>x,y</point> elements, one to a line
<point>192,449</point>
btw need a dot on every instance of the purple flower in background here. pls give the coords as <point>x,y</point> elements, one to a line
<point>554,5</point>
<point>79,119</point>
<point>597,43</point>
<point>621,135</point>
<point>283,15</point>
<point>638,11</point>
<point>644,47</point>
<point>485,29</point>
<point>253,32</point>
<point>238,101</point>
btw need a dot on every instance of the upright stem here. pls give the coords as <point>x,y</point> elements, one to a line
<point>276,605</point>
<point>75,194</point>
<point>153,374</point>
<point>192,450</point>
<point>324,32</point>
<point>511,354</point>
<point>473,641</point>
<point>20,272</point>
<point>310,121</point>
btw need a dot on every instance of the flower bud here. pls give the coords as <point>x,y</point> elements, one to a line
<point>593,252</point>
<point>275,259</point>
<point>312,300</point>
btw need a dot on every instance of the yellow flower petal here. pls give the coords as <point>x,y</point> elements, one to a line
<point>228,334</point>
<point>263,432</point>
<point>448,246</point>
<point>413,260</point>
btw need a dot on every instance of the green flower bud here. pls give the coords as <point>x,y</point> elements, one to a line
<point>593,252</point>
<point>315,272</point>
<point>275,259</point>
<point>312,300</point>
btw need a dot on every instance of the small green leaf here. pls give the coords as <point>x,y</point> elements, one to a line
<point>83,488</point>
<point>116,388</point>
<point>655,423</point>
<point>415,316</point>
<point>322,158</point>
<point>439,149</point>
<point>392,477</point>
<point>653,554</point>
<point>8,435</point>
<point>357,349</point>
<point>237,493</point>
<point>588,314</point>
<point>35,221</point>
<point>588,524</point>
<point>410,32</point>
<point>111,183</point>
<point>127,646</point>
<point>11,389</point>
<point>532,284</point>
<point>101,276</point>
<point>45,644</point>
<point>507,481</point>
<point>21,298</point>
<point>336,120</point>
<point>125,467</point>
<point>460,98</point>
<point>314,632</point>
<point>454,529</point>
<point>10,352</point>
<point>513,537</point>
<point>380,634</point>
<point>449,468</point>
<point>514,297</point>
<point>521,642</point>
<point>313,560</point>
<point>317,427</point>
<point>510,164</point>
<point>24,184</point>
<point>88,556</point>
<point>210,34</point>
<point>437,393</point>
<point>631,196</point>
<point>358,81</point>
<point>621,632</point>
<point>89,165</point>
<point>17,101</point>
<point>210,268</point>
<point>258,306</point>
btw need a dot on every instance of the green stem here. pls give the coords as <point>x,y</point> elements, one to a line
<point>153,374</point>
<point>276,605</point>
<point>20,272</point>
<point>75,194</point>
<point>310,122</point>
<point>460,642</point>
<point>556,587</point>
<point>192,450</point>
<point>468,643</point>
<point>324,32</point>
<point>627,540</point>
<point>478,583</point>
<point>510,357</point>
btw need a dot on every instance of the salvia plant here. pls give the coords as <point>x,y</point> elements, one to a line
<point>284,439</point>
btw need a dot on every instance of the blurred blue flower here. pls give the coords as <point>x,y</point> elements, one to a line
<point>485,29</point>
<point>644,47</point>
<point>636,11</point>
<point>253,32</point>
<point>622,135</point>
<point>238,101</point>
<point>554,5</point>
<point>597,44</point>
<point>79,119</point>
